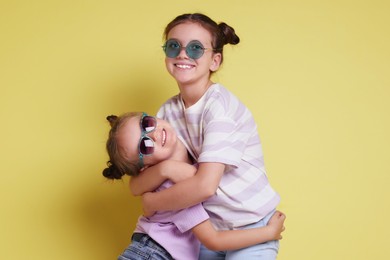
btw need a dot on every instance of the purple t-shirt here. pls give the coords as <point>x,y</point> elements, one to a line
<point>172,229</point>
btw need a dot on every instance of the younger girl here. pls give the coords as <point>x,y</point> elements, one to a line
<point>137,141</point>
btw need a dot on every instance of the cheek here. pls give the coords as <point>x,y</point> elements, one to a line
<point>168,66</point>
<point>153,159</point>
<point>158,156</point>
<point>168,63</point>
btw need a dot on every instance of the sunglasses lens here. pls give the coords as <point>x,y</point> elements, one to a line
<point>194,50</point>
<point>172,48</point>
<point>146,146</point>
<point>148,123</point>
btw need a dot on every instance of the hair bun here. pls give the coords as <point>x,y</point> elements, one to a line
<point>112,172</point>
<point>230,36</point>
<point>112,119</point>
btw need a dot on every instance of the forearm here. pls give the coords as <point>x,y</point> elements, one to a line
<point>148,180</point>
<point>152,177</point>
<point>188,192</point>
<point>181,195</point>
<point>231,239</point>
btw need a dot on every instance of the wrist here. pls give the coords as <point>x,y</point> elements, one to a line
<point>270,232</point>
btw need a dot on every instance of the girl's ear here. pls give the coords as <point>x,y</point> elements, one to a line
<point>144,168</point>
<point>216,62</point>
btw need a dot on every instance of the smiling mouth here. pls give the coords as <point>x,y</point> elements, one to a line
<point>164,137</point>
<point>184,66</point>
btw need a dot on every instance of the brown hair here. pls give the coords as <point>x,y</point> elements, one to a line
<point>221,33</point>
<point>118,164</point>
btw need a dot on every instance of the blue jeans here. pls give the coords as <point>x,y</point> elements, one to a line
<point>266,251</point>
<point>144,247</point>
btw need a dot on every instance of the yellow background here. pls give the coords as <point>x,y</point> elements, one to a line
<point>314,73</point>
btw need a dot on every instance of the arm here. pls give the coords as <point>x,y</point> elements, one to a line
<point>187,193</point>
<point>237,239</point>
<point>152,177</point>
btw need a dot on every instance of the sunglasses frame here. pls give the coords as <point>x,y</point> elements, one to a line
<point>144,135</point>
<point>187,48</point>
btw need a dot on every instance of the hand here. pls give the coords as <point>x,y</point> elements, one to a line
<point>276,224</point>
<point>145,198</point>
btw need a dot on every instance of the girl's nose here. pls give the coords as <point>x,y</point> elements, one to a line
<point>183,52</point>
<point>153,135</point>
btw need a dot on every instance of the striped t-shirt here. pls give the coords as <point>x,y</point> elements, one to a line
<point>219,128</point>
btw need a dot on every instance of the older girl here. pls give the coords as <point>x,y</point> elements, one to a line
<point>219,132</point>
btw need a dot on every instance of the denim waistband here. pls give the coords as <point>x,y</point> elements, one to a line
<point>138,236</point>
<point>149,242</point>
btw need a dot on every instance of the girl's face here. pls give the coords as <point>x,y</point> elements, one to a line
<point>184,69</point>
<point>164,138</point>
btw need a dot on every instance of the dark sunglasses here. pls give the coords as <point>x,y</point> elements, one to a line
<point>146,145</point>
<point>194,49</point>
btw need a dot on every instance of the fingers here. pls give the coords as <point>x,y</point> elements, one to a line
<point>280,215</point>
<point>280,236</point>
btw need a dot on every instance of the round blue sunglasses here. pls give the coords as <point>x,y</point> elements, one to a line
<point>194,49</point>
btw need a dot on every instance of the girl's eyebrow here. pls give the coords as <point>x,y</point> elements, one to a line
<point>181,43</point>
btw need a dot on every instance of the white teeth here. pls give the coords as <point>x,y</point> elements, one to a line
<point>183,66</point>
<point>164,137</point>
